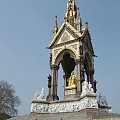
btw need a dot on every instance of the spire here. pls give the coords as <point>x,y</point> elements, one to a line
<point>55,28</point>
<point>79,21</point>
<point>71,11</point>
<point>72,15</point>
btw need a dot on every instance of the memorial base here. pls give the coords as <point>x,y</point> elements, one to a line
<point>70,92</point>
<point>85,102</point>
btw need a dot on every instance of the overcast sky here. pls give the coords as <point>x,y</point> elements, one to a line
<point>26,30</point>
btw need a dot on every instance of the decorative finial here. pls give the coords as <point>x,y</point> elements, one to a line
<point>79,21</point>
<point>55,28</point>
<point>78,11</point>
<point>86,24</point>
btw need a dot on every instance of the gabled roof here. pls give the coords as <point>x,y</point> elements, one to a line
<point>69,29</point>
<point>73,34</point>
<point>88,41</point>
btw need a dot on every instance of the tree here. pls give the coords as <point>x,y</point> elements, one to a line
<point>9,101</point>
<point>4,117</point>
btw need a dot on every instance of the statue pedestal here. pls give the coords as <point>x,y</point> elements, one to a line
<point>75,105</point>
<point>70,92</point>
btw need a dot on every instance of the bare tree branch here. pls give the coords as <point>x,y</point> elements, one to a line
<point>9,101</point>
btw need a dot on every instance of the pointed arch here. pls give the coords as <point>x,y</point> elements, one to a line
<point>61,53</point>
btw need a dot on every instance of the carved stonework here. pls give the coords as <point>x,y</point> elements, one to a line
<point>65,106</point>
<point>56,51</point>
<point>87,88</point>
<point>39,95</point>
<point>103,104</point>
<point>68,92</point>
<point>74,46</point>
<point>65,37</point>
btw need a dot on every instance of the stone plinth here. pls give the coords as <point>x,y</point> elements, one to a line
<point>75,105</point>
<point>70,92</point>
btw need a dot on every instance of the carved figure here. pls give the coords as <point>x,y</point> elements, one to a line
<point>90,87</point>
<point>72,80</point>
<point>87,88</point>
<point>102,100</point>
<point>81,49</point>
<point>50,59</point>
<point>40,95</point>
<point>49,81</point>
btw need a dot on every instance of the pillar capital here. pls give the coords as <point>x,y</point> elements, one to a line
<point>54,67</point>
<point>81,60</point>
<point>78,61</point>
<point>91,71</point>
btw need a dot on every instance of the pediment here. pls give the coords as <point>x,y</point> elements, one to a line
<point>65,34</point>
<point>65,37</point>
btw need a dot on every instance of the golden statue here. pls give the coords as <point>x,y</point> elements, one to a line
<point>72,80</point>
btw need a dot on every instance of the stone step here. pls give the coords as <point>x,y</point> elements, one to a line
<point>57,116</point>
<point>82,115</point>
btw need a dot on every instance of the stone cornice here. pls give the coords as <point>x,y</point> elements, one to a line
<point>66,43</point>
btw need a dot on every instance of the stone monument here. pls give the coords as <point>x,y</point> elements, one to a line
<point>71,47</point>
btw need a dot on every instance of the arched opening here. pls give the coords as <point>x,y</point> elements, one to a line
<point>67,66</point>
<point>60,83</point>
<point>74,72</point>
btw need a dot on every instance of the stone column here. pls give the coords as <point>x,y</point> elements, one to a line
<point>54,82</point>
<point>78,77</point>
<point>64,83</point>
<point>82,77</point>
<point>88,76</point>
<point>49,86</point>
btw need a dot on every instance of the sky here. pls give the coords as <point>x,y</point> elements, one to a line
<point>26,30</point>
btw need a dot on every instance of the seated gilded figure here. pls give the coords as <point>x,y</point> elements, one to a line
<point>72,80</point>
